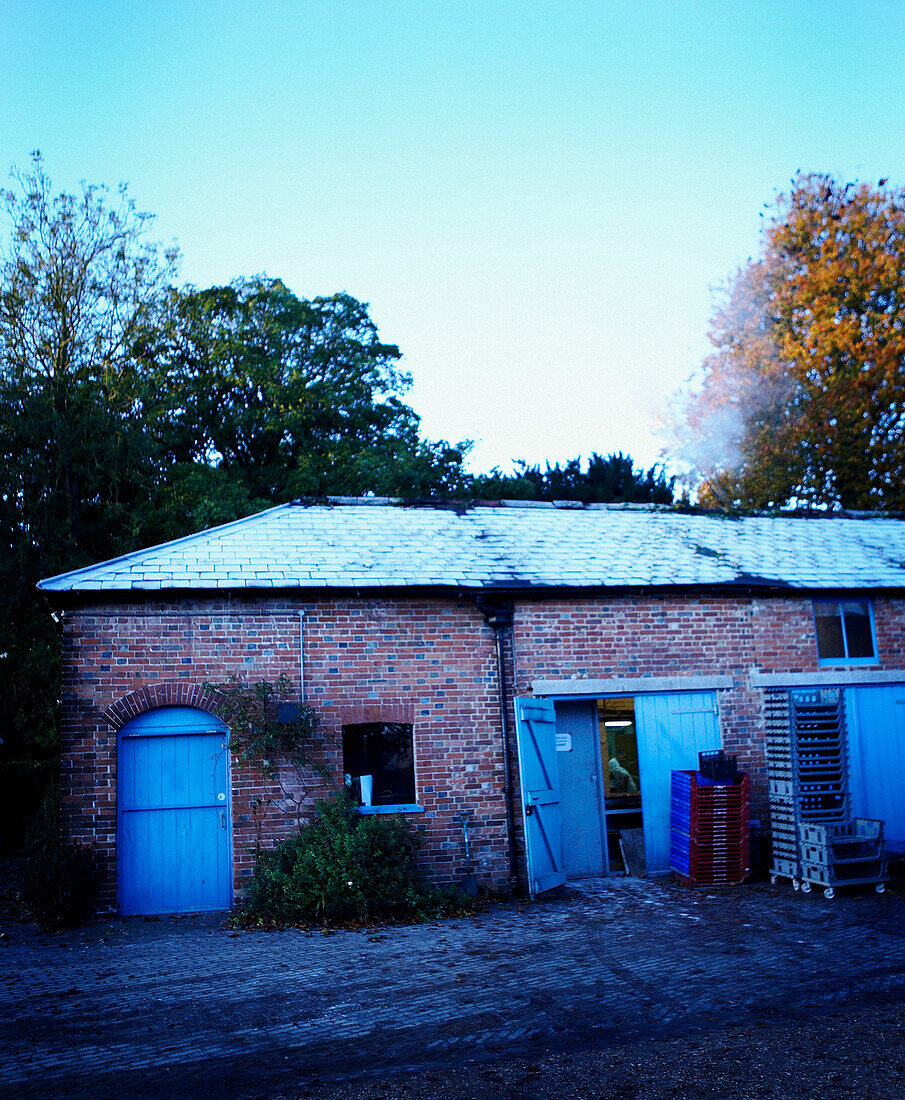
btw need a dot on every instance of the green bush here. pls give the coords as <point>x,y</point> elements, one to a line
<point>58,884</point>
<point>346,868</point>
<point>26,787</point>
<point>42,828</point>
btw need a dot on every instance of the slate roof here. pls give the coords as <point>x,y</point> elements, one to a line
<point>374,543</point>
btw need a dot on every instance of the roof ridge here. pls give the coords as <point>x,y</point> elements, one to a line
<point>451,504</point>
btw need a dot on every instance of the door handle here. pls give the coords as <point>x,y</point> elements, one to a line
<point>223,819</point>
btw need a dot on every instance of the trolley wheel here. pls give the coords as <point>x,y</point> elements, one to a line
<point>806,887</point>
<point>880,887</point>
<point>795,884</point>
<point>774,879</point>
<point>829,892</point>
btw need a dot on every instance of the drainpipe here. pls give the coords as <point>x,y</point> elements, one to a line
<point>498,616</point>
<point>302,656</point>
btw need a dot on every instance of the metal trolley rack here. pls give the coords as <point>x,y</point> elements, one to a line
<point>815,838</point>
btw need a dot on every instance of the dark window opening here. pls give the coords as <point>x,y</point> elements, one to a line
<point>383,753</point>
<point>844,630</point>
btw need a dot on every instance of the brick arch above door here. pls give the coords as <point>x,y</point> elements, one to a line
<point>176,693</point>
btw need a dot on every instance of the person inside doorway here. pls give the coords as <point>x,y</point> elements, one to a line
<point>621,780</point>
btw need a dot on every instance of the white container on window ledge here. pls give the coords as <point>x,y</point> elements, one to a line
<point>367,788</point>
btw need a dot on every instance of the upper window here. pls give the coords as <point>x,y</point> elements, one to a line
<point>845,631</point>
<point>379,763</point>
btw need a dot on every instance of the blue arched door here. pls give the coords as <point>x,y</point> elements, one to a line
<point>174,828</point>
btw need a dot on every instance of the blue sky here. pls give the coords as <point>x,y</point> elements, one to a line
<point>537,199</point>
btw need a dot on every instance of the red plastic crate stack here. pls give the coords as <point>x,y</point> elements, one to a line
<point>710,830</point>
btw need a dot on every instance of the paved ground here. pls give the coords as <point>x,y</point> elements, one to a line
<point>187,1007</point>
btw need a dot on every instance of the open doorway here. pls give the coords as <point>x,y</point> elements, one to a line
<point>597,764</point>
<point>621,785</point>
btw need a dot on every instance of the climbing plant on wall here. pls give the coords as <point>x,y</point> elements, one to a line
<point>269,731</point>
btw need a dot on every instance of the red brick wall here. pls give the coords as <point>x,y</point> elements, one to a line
<point>430,661</point>
<point>685,635</point>
<point>889,621</point>
<point>784,637</point>
<point>642,636</point>
<point>631,636</point>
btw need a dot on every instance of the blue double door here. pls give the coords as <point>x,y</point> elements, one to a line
<point>564,808</point>
<point>875,717</point>
<point>174,828</point>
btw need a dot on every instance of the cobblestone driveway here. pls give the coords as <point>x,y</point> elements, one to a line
<point>188,1007</point>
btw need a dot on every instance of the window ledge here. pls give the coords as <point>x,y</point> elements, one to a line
<point>825,678</point>
<point>847,662</point>
<point>401,808</point>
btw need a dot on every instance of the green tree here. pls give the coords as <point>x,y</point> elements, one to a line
<point>281,397</point>
<point>610,479</point>
<point>78,280</point>
<point>131,412</point>
<point>802,400</point>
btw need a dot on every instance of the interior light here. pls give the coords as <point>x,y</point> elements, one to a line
<point>620,722</point>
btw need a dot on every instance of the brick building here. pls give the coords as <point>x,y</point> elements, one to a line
<point>533,670</point>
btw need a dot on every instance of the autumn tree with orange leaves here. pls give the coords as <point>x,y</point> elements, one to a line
<point>803,399</point>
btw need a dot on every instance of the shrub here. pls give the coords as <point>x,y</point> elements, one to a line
<point>27,787</point>
<point>58,883</point>
<point>344,867</point>
<point>43,826</point>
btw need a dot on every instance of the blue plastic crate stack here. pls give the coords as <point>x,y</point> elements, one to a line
<point>816,840</point>
<point>709,824</point>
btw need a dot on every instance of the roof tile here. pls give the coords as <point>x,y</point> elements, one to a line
<point>377,544</point>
